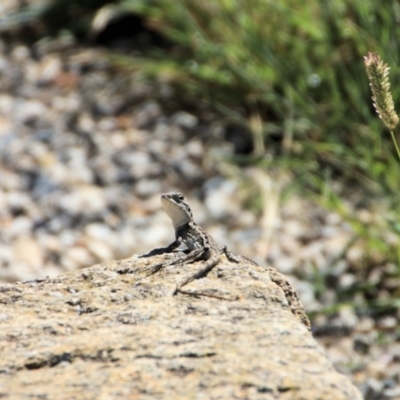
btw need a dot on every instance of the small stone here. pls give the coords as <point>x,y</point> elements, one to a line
<point>27,251</point>
<point>6,104</point>
<point>6,255</point>
<point>5,126</point>
<point>67,104</point>
<point>138,162</point>
<point>100,250</point>
<point>195,149</point>
<point>335,243</point>
<point>348,317</point>
<point>285,265</point>
<point>86,123</point>
<point>67,237</point>
<point>184,119</point>
<point>347,280</point>
<point>365,216</point>
<point>20,226</point>
<point>30,111</point>
<point>107,124</point>
<point>294,228</point>
<point>365,325</point>
<point>57,294</point>
<point>128,297</point>
<point>156,234</point>
<point>10,181</point>
<point>51,67</point>
<point>289,244</point>
<point>313,254</point>
<point>219,196</point>
<point>355,254</point>
<point>333,219</point>
<point>4,317</point>
<point>387,323</point>
<point>125,243</point>
<point>147,187</point>
<point>76,257</point>
<point>86,199</point>
<point>247,219</point>
<point>20,53</point>
<point>372,388</point>
<point>362,344</point>
<point>158,146</point>
<point>392,393</point>
<point>99,231</point>
<point>147,112</point>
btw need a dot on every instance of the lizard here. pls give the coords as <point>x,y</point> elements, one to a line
<point>201,246</point>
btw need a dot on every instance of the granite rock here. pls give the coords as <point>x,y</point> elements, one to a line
<point>111,331</point>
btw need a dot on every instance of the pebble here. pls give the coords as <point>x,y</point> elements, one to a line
<point>392,393</point>
<point>10,181</point>
<point>348,316</point>
<point>289,244</point>
<point>365,325</point>
<point>195,149</point>
<point>19,227</point>
<point>286,265</point>
<point>157,234</point>
<point>147,187</point>
<point>4,317</point>
<point>27,251</point>
<point>50,68</point>
<point>147,112</point>
<point>85,199</point>
<point>99,249</point>
<point>50,242</point>
<point>387,323</point>
<point>20,53</point>
<point>355,254</point>
<point>6,256</point>
<point>218,201</point>
<point>68,238</point>
<point>347,280</point>
<point>126,243</point>
<point>184,119</point>
<point>30,111</point>
<point>372,388</point>
<point>76,257</point>
<point>5,127</point>
<point>189,170</point>
<point>294,228</point>
<point>99,231</point>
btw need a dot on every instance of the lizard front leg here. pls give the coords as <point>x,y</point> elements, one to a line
<point>162,250</point>
<point>194,255</point>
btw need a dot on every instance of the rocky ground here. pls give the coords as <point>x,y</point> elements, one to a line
<point>113,331</point>
<point>86,151</point>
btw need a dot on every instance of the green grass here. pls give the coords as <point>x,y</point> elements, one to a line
<point>299,67</point>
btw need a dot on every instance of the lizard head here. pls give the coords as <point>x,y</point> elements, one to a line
<point>177,208</point>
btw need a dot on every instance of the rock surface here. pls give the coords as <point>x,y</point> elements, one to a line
<point>110,331</point>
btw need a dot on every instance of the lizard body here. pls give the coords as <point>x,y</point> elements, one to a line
<point>202,247</point>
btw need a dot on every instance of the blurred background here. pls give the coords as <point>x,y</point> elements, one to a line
<point>260,112</point>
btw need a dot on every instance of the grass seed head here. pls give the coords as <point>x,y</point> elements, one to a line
<point>378,74</point>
